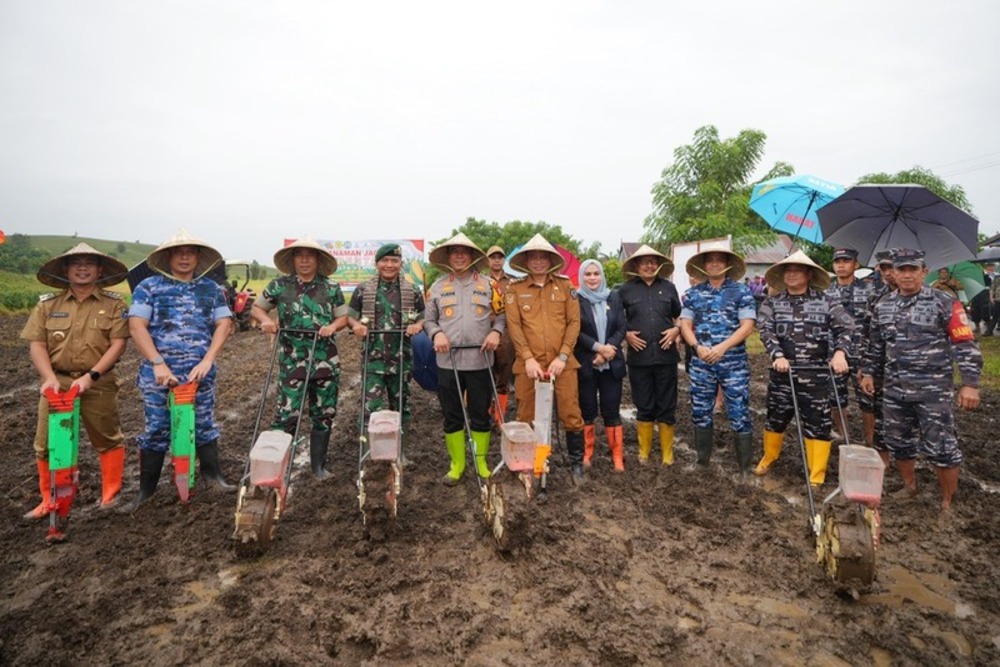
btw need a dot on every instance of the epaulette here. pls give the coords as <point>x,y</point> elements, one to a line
<point>111,295</point>
<point>517,280</point>
<point>560,275</point>
<point>46,297</point>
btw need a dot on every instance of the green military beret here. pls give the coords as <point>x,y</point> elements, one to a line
<point>388,249</point>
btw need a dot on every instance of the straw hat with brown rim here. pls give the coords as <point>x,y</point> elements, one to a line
<point>630,267</point>
<point>696,265</point>
<point>53,272</point>
<point>819,279</point>
<point>284,259</point>
<point>494,249</point>
<point>519,260</point>
<point>159,259</point>
<point>439,256</point>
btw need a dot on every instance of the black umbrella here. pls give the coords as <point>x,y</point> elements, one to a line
<point>870,218</point>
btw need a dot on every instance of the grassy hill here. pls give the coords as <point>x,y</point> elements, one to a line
<point>129,253</point>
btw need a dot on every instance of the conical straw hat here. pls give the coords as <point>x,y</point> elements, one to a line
<point>439,256</point>
<point>630,267</point>
<point>53,272</point>
<point>519,259</point>
<point>819,279</point>
<point>696,265</point>
<point>284,259</point>
<point>159,259</point>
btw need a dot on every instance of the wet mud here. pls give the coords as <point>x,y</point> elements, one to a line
<point>658,565</point>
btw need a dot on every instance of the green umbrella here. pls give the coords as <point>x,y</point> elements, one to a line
<point>967,273</point>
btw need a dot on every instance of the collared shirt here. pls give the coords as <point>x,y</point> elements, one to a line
<point>77,333</point>
<point>650,310</point>
<point>543,320</point>
<point>804,328</point>
<point>716,314</point>
<point>466,310</point>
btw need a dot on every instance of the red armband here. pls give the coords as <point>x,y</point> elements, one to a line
<point>958,327</point>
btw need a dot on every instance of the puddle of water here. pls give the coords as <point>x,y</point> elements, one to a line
<point>684,623</point>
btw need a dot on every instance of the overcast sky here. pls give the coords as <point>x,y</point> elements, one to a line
<point>249,121</point>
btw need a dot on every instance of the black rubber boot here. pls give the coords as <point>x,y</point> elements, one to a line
<point>703,445</point>
<point>211,472</point>
<point>319,445</point>
<point>574,447</point>
<point>150,465</point>
<point>744,451</point>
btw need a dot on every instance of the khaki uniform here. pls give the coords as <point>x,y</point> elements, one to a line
<point>503,359</point>
<point>544,322</point>
<point>77,334</point>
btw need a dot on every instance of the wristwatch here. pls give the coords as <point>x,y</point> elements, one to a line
<point>157,360</point>
<point>94,375</point>
<point>563,358</point>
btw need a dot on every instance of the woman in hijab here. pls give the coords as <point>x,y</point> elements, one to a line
<point>602,367</point>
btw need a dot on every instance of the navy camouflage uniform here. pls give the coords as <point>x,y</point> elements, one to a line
<point>182,317</point>
<point>880,290</point>
<point>715,316</point>
<point>385,370</point>
<point>917,339</point>
<point>305,306</point>
<point>855,298</point>
<point>804,329</point>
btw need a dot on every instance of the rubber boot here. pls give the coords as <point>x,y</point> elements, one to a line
<point>667,444</point>
<point>644,432</point>
<point>703,442</point>
<point>498,414</point>
<point>319,447</point>
<point>589,436</point>
<point>772,450</point>
<point>481,440</point>
<point>211,472</point>
<point>574,447</point>
<point>455,442</point>
<point>44,487</point>
<point>616,442</point>
<point>948,480</point>
<point>818,461</point>
<point>744,451</point>
<point>112,465</point>
<point>150,465</point>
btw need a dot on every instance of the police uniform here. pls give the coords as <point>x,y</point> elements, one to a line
<point>305,306</point>
<point>182,318</point>
<point>383,304</point>
<point>465,308</point>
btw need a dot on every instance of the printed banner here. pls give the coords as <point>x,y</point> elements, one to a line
<point>356,260</point>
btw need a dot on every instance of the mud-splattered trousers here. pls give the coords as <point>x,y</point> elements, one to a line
<point>715,315</point>
<point>918,338</point>
<point>802,329</point>
<point>182,317</point>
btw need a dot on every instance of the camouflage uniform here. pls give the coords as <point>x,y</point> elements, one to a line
<point>306,306</point>
<point>382,302</point>
<point>854,297</point>
<point>916,339</point>
<point>182,317</point>
<point>877,399</point>
<point>802,329</point>
<point>716,314</point>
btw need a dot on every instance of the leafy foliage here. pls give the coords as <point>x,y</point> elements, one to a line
<point>705,192</point>
<point>920,176</point>
<point>18,255</point>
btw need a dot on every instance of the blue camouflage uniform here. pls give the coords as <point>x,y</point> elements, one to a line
<point>715,316</point>
<point>854,298</point>
<point>917,339</point>
<point>182,317</point>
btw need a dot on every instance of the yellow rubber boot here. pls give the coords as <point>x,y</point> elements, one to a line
<point>772,450</point>
<point>667,443</point>
<point>818,461</point>
<point>455,442</point>
<point>589,437</point>
<point>644,432</point>
<point>481,440</point>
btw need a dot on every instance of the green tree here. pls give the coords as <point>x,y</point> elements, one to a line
<point>17,255</point>
<point>256,270</point>
<point>705,192</point>
<point>920,176</point>
<point>613,271</point>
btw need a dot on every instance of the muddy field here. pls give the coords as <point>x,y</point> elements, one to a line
<point>659,565</point>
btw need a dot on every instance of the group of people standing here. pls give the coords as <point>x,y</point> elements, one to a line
<point>894,338</point>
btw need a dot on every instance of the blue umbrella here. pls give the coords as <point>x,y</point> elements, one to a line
<point>789,204</point>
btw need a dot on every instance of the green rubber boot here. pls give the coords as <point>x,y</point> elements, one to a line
<point>482,442</point>
<point>456,450</point>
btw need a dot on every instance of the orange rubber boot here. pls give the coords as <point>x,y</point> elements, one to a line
<point>44,486</point>
<point>589,436</point>
<point>616,442</point>
<point>112,465</point>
